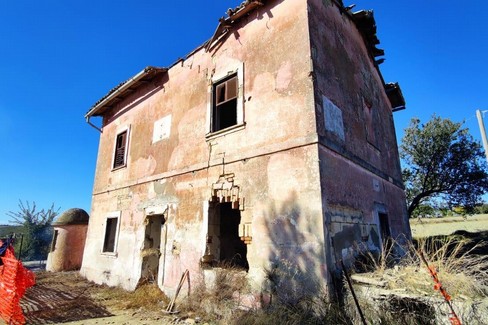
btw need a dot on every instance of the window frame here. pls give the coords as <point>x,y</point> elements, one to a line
<point>238,71</point>
<point>113,215</point>
<point>222,96</point>
<point>54,240</point>
<point>126,148</point>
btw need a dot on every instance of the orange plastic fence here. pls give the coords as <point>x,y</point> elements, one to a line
<point>453,317</point>
<point>14,280</point>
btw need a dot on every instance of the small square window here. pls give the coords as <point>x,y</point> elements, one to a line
<point>110,235</point>
<point>120,150</point>
<point>224,103</point>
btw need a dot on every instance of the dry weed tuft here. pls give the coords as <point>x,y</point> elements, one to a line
<point>147,297</point>
<point>285,282</point>
<point>378,262</point>
<point>460,270</point>
<point>218,301</point>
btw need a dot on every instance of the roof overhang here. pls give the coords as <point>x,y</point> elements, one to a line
<point>123,90</point>
<point>366,25</point>
<point>395,96</point>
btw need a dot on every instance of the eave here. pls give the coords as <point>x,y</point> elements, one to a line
<point>123,90</point>
<point>366,25</point>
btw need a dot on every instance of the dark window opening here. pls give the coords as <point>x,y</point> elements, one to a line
<point>224,247</point>
<point>233,251</point>
<point>110,234</point>
<point>224,108</point>
<point>55,238</point>
<point>120,145</point>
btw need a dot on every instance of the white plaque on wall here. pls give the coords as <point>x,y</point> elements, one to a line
<point>162,129</point>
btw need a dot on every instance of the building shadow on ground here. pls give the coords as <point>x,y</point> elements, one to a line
<point>43,305</point>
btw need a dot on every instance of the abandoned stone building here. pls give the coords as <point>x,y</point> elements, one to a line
<point>272,144</point>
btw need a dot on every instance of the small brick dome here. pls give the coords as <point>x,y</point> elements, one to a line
<point>73,216</point>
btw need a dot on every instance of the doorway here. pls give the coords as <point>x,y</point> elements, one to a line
<point>151,251</point>
<point>384,226</point>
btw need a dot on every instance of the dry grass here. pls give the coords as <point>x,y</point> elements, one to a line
<point>411,297</point>
<point>428,227</point>
<point>377,262</point>
<point>460,270</point>
<point>148,297</point>
<point>217,302</point>
<point>222,302</point>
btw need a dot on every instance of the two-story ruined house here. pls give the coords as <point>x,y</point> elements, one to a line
<point>271,144</point>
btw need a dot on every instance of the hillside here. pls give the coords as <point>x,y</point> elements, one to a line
<point>6,230</point>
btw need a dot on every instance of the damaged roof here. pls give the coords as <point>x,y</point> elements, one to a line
<point>124,89</point>
<point>364,21</point>
<point>127,87</point>
<point>233,16</point>
<point>395,96</point>
<point>366,25</point>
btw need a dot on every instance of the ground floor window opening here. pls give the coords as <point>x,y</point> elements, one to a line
<point>223,241</point>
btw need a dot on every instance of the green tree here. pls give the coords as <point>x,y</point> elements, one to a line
<point>424,210</point>
<point>36,227</point>
<point>482,208</point>
<point>442,161</point>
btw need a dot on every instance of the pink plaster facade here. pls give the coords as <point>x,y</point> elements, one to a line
<point>296,180</point>
<point>359,162</point>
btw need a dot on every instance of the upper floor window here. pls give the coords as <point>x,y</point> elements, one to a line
<point>120,150</point>
<point>224,104</point>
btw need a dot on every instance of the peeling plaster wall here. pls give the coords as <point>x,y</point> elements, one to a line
<point>359,163</point>
<point>346,79</point>
<point>273,158</point>
<point>353,199</point>
<point>311,166</point>
<point>277,90</point>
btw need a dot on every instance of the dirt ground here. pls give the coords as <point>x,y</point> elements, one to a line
<point>67,298</point>
<point>427,227</point>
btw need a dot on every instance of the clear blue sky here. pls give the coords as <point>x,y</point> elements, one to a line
<point>57,58</point>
